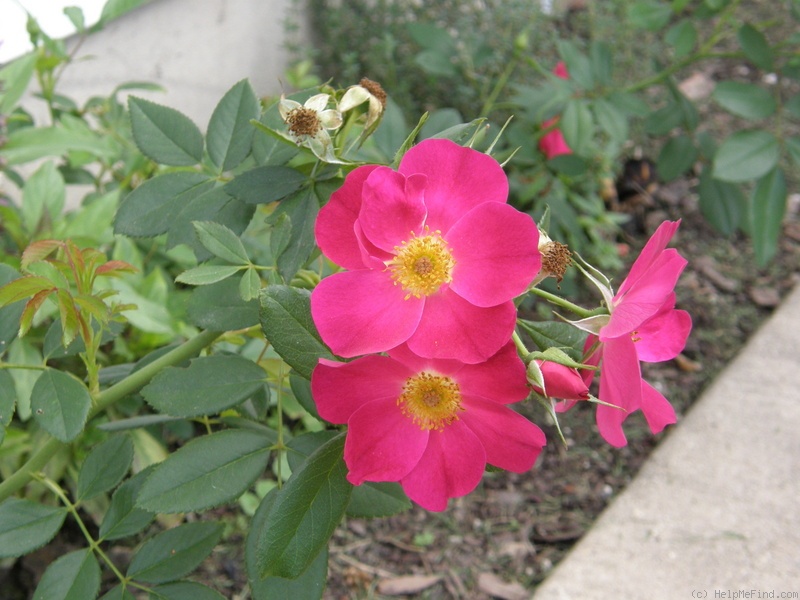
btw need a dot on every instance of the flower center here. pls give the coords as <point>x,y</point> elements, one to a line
<point>431,401</point>
<point>303,121</point>
<point>422,265</point>
<point>374,88</point>
<point>556,258</point>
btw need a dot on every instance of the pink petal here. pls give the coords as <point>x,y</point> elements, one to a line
<point>451,327</point>
<point>650,253</point>
<point>495,247</point>
<point>339,389</point>
<point>552,143</point>
<point>560,70</point>
<point>657,409</point>
<point>382,444</point>
<point>620,385</point>
<point>501,378</point>
<point>361,312</point>
<point>404,355</point>
<point>511,441</point>
<point>645,298</point>
<point>392,207</point>
<point>334,225</point>
<point>664,336</point>
<point>458,179</point>
<point>452,466</point>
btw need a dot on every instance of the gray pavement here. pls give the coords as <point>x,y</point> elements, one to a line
<point>715,511</point>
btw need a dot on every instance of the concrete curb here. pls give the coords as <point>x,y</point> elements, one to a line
<point>714,511</point>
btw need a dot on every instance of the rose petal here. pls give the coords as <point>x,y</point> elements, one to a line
<point>657,409</point>
<point>392,207</point>
<point>495,247</point>
<point>646,297</point>
<point>382,444</point>
<point>620,385</point>
<point>458,180</point>
<point>451,327</point>
<point>361,312</point>
<point>649,254</point>
<point>552,143</point>
<point>339,389</point>
<point>416,363</point>
<point>511,441</point>
<point>664,336</point>
<point>501,378</point>
<point>334,226</point>
<point>452,466</point>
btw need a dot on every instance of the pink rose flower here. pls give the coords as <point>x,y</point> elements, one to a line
<point>644,326</point>
<point>434,256</point>
<point>430,424</point>
<point>552,143</point>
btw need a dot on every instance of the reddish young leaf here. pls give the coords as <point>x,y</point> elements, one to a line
<point>39,251</point>
<point>114,268</point>
<point>23,287</point>
<point>31,308</point>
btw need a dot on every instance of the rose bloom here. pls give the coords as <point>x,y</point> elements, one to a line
<point>433,253</point>
<point>430,424</point>
<point>552,143</point>
<point>643,326</point>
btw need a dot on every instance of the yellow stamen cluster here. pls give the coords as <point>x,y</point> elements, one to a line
<point>431,401</point>
<point>422,265</point>
<point>303,121</point>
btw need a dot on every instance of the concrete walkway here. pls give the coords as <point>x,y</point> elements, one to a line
<point>715,511</point>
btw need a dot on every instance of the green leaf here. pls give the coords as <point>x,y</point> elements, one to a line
<point>230,134</point>
<point>308,586</point>
<point>26,526</point>
<point>649,14</point>
<point>301,389</point>
<point>371,500</point>
<point>578,65</point>
<point>577,126</point>
<point>206,472</point>
<point>611,119</point>
<point>682,37</point>
<point>602,61</point>
<point>14,80</point>
<point>209,385</point>
<point>32,143</point>
<point>165,134</point>
<point>105,466</point>
<point>184,590</point>
<point>286,321</point>
<point>9,312</point>
<point>793,146</point>
<point>151,208</point>
<point>74,576</point>
<point>792,105</point>
<point>123,517</point>
<point>664,120</point>
<point>676,157</point>
<point>207,274</point>
<point>301,209</point>
<point>173,553</point>
<point>220,307</point>
<point>60,404</point>
<point>265,184</point>
<point>75,15</point>
<point>221,242</point>
<point>745,100</point>
<point>250,284</point>
<point>546,334</point>
<point>755,46</point>
<point>305,513</point>
<point>118,593</point>
<point>721,203</point>
<point>116,8</point>
<point>746,155</point>
<point>8,397</point>
<point>768,205</point>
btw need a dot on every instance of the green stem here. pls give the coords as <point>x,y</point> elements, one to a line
<point>105,399</point>
<point>499,86</point>
<point>521,349</point>
<point>578,310</point>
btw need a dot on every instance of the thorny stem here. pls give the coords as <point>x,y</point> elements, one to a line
<point>105,399</point>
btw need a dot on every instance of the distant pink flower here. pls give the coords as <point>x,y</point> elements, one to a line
<point>562,382</point>
<point>433,253</point>
<point>644,326</point>
<point>552,143</point>
<point>430,424</point>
